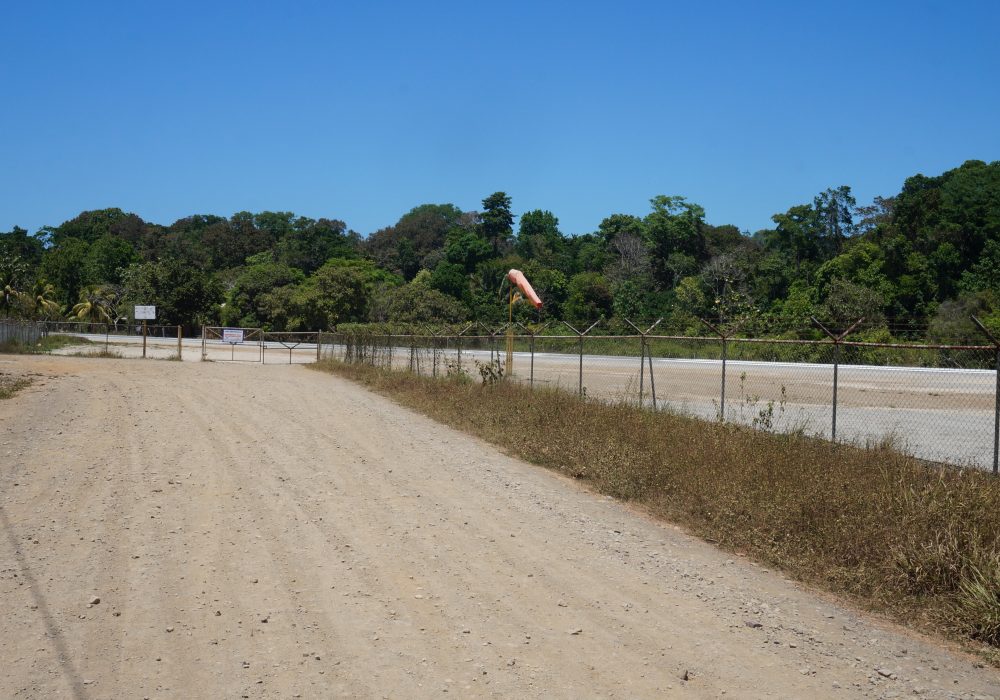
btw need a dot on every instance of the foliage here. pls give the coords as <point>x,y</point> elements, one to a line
<point>912,258</point>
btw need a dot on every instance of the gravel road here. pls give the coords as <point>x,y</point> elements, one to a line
<point>199,530</point>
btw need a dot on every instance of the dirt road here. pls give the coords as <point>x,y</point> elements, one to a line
<point>272,532</point>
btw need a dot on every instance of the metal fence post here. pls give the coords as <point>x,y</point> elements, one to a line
<point>996,416</point>
<point>837,340</point>
<point>645,351</point>
<point>652,380</point>
<point>722,401</point>
<point>531,376</point>
<point>642,366</point>
<point>836,369</point>
<point>179,349</point>
<point>996,395</point>
<point>580,336</point>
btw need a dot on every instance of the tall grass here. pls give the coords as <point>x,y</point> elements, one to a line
<point>892,534</point>
<point>44,345</point>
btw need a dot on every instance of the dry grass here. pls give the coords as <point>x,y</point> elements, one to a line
<point>10,385</point>
<point>106,353</point>
<point>44,345</point>
<point>890,533</point>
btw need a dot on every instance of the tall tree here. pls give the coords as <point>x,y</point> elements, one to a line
<point>497,222</point>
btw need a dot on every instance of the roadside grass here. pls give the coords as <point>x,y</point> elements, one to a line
<point>10,385</point>
<point>918,543</point>
<point>45,345</point>
<point>107,353</point>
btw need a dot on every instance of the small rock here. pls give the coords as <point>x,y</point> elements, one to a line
<point>95,600</point>
<point>170,629</point>
<point>884,672</point>
<point>576,631</point>
<point>753,624</point>
<point>685,676</point>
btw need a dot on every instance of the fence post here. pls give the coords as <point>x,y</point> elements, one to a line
<point>836,372</point>
<point>642,365</point>
<point>652,380</point>
<point>644,352</point>
<point>837,340</point>
<point>531,376</point>
<point>580,336</point>
<point>996,395</point>
<point>996,415</point>
<point>179,350</point>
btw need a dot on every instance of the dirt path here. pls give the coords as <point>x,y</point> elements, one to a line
<point>275,532</point>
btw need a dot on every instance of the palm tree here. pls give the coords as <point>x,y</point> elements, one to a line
<point>10,299</point>
<point>95,305</point>
<point>42,295</point>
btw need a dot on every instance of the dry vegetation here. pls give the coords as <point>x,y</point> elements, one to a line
<point>894,535</point>
<point>10,385</point>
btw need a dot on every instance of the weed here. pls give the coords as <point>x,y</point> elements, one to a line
<point>106,353</point>
<point>46,344</point>
<point>10,385</point>
<point>491,372</point>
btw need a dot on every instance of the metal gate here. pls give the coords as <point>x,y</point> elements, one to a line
<point>220,344</point>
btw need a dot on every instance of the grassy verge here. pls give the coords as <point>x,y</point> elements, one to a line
<point>44,345</point>
<point>107,353</point>
<point>893,535</point>
<point>10,385</point>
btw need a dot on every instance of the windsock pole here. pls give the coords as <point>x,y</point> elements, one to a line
<point>510,333</point>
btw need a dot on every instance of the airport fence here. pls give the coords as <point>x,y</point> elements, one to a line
<point>937,401</point>
<point>21,332</point>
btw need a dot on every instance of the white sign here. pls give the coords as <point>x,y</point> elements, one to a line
<point>145,313</point>
<point>232,335</point>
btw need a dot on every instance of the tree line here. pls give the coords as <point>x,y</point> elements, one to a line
<point>919,262</point>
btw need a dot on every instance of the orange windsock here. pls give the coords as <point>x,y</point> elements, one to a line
<point>517,277</point>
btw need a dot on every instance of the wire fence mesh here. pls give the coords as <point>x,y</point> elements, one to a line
<point>936,402</point>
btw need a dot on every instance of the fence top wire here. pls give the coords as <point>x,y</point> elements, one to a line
<point>677,338</point>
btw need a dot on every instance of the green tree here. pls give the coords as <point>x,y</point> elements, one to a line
<point>418,303</point>
<point>539,238</point>
<point>106,258</point>
<point>96,305</point>
<point>65,266</point>
<point>497,224</point>
<point>183,295</point>
<point>674,226</point>
<point>589,299</point>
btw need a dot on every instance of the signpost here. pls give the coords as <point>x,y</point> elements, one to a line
<point>144,313</point>
<point>233,336</point>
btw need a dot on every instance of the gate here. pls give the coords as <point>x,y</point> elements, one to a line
<point>220,344</point>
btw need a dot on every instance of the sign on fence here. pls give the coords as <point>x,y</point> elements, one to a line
<point>145,313</point>
<point>232,335</point>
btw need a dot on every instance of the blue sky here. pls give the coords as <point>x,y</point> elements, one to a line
<point>361,111</point>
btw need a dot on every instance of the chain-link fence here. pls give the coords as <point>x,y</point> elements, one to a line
<point>938,402</point>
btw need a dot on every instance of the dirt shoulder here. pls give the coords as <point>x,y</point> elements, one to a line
<point>267,531</point>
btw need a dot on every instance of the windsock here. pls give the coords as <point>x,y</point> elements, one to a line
<point>517,277</point>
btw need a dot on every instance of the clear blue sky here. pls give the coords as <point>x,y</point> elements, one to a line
<point>361,111</point>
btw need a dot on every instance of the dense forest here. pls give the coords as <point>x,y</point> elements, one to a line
<point>916,263</point>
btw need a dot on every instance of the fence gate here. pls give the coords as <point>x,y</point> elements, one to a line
<point>220,344</point>
<point>293,347</point>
